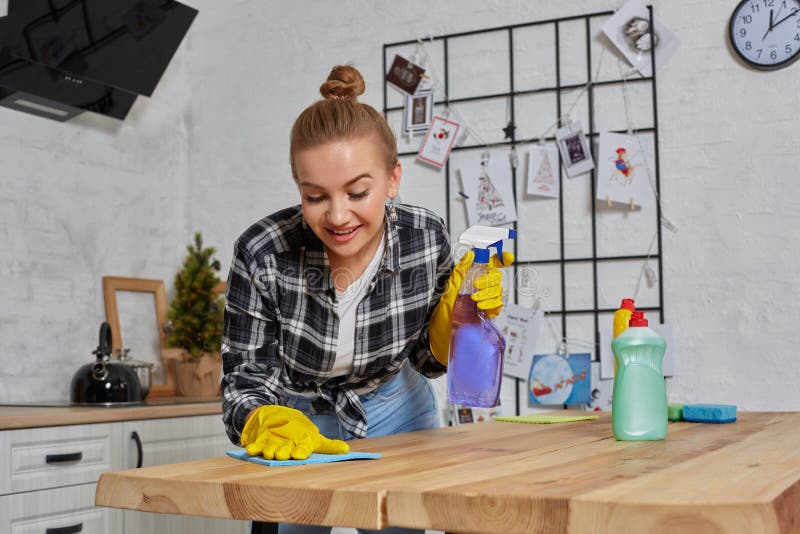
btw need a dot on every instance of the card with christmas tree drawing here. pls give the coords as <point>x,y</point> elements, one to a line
<point>543,178</point>
<point>486,187</point>
<point>622,170</point>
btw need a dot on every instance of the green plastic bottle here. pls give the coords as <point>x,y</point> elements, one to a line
<point>639,406</point>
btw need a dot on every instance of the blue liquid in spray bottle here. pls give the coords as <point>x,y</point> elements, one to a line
<point>475,365</point>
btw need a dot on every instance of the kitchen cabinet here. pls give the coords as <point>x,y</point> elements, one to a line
<point>60,510</point>
<point>48,474</point>
<point>167,441</point>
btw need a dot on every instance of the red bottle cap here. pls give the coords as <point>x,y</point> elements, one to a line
<point>637,319</point>
<point>627,304</point>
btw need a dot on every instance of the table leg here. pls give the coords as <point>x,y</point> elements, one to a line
<point>264,528</point>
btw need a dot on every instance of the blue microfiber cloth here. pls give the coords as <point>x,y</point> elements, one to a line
<point>709,413</point>
<point>313,459</point>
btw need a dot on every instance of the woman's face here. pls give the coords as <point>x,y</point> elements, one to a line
<point>343,189</point>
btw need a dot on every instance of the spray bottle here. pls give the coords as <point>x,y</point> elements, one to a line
<point>639,405</point>
<point>475,367</point>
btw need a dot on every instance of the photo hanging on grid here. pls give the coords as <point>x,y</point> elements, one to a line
<point>487,187</point>
<point>602,392</point>
<point>622,174</point>
<point>543,175</point>
<point>438,141</point>
<point>629,30</point>
<point>461,415</point>
<point>418,112</point>
<point>520,327</point>
<point>575,152</point>
<point>560,379</point>
<point>404,75</point>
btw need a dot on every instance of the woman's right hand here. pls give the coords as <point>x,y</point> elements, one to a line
<point>279,433</point>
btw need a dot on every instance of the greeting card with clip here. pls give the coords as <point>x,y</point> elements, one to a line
<point>575,152</point>
<point>404,75</point>
<point>438,141</point>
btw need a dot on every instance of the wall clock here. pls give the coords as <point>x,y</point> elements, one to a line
<point>766,33</point>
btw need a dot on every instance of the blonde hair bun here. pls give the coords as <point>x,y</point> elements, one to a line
<point>343,83</point>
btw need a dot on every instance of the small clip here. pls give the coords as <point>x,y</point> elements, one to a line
<point>650,275</point>
<point>416,57</point>
<point>632,206</point>
<point>485,155</point>
<point>608,199</point>
<point>562,349</point>
<point>666,223</point>
<point>514,157</point>
<point>463,137</point>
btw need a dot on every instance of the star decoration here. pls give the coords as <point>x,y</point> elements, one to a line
<point>509,130</point>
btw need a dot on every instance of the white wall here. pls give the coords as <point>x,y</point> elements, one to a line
<point>209,152</point>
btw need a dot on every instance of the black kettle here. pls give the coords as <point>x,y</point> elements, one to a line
<point>104,382</point>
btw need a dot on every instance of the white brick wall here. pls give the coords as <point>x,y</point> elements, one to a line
<point>209,152</point>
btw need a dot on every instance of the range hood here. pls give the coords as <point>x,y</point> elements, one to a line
<point>59,58</point>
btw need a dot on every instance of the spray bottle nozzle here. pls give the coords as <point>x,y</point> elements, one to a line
<point>483,238</point>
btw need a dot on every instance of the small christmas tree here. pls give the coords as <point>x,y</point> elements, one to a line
<point>195,314</point>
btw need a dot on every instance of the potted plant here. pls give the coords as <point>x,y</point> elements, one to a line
<point>194,327</point>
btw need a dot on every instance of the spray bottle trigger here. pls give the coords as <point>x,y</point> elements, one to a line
<point>499,246</point>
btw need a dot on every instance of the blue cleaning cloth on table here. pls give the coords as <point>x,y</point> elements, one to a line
<point>709,413</point>
<point>313,459</point>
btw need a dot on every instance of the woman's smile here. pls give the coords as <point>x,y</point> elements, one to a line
<point>342,235</point>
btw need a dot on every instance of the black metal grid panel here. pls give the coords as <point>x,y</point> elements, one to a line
<point>558,89</point>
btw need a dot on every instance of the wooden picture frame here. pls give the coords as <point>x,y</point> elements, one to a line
<point>112,284</point>
<point>221,289</point>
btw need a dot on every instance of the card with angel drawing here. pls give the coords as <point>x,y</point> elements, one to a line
<point>622,170</point>
<point>486,187</point>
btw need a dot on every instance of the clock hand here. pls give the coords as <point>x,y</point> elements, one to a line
<point>790,15</point>
<point>770,26</point>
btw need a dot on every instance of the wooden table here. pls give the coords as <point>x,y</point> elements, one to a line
<point>507,477</point>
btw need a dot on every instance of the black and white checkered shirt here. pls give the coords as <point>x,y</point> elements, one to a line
<point>281,327</point>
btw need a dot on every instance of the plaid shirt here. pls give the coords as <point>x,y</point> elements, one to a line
<point>281,328</point>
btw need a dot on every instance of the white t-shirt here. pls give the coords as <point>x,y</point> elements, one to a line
<point>346,306</point>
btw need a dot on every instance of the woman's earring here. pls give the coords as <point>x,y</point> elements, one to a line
<point>392,210</point>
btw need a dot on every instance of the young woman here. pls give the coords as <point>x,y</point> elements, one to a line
<point>339,308</point>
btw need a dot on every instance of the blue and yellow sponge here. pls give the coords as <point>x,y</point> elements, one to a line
<point>709,413</point>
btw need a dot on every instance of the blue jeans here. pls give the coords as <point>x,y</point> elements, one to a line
<point>403,404</point>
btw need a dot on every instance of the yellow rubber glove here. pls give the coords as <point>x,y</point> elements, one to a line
<point>280,433</point>
<point>489,297</point>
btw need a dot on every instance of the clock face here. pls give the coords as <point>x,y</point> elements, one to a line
<point>766,33</point>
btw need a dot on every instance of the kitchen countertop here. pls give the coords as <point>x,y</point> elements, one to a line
<point>56,413</point>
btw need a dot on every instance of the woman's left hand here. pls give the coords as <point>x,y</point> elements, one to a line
<point>489,298</point>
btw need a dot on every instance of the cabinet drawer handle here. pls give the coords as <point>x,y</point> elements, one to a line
<point>58,458</point>
<point>135,437</point>
<point>65,530</point>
